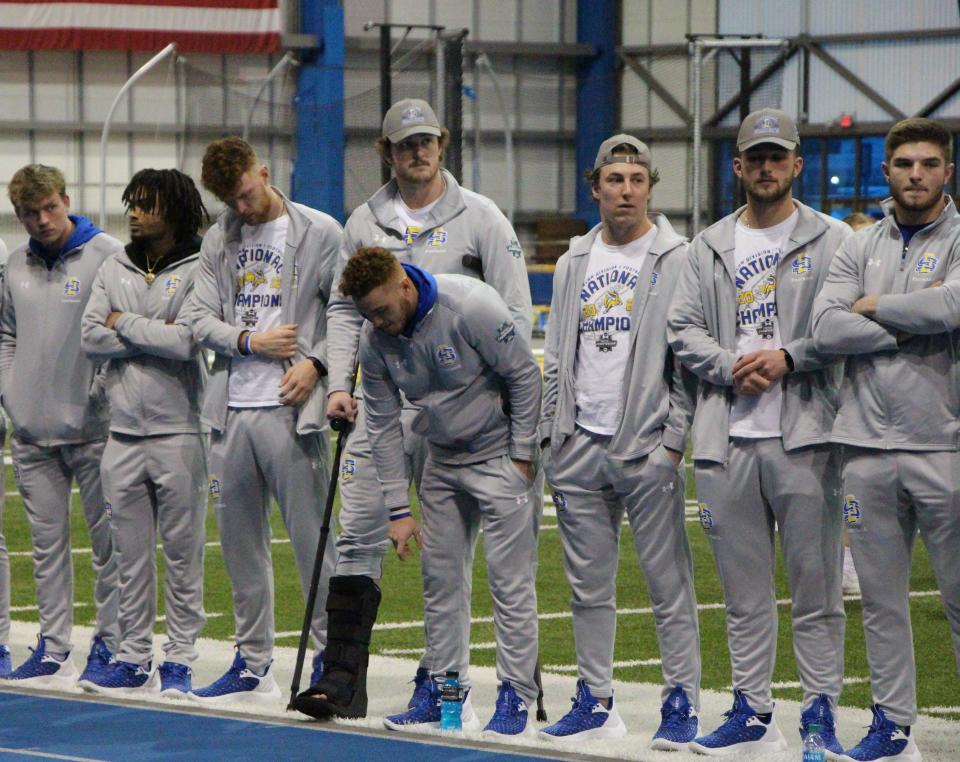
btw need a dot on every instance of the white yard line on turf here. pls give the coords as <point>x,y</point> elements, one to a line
<point>616,665</point>
<point>620,612</point>
<point>782,686</point>
<point>940,710</point>
<point>487,646</point>
<point>85,551</point>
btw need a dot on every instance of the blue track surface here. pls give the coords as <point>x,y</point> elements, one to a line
<point>35,727</point>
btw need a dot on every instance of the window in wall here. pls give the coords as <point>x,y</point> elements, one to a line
<point>873,185</point>
<point>808,187</point>
<point>839,183</point>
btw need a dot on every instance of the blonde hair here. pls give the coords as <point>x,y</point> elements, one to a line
<point>33,183</point>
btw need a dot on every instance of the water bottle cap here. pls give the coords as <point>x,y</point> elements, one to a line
<point>814,727</point>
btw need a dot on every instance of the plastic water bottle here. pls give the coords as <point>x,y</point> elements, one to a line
<point>451,703</point>
<point>813,748</point>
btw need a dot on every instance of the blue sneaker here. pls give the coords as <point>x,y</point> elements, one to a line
<point>43,670</point>
<point>884,742</point>
<point>121,678</point>
<point>6,662</point>
<point>98,662</point>
<point>172,679</point>
<point>679,723</point>
<point>820,713</point>
<point>742,730</point>
<point>316,675</point>
<point>423,709</point>
<point>239,684</point>
<point>510,716</point>
<point>587,719</point>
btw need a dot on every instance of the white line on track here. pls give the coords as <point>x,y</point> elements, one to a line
<point>45,755</point>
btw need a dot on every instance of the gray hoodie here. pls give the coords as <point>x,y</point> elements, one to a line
<point>702,329</point>
<point>155,373</point>
<point>46,380</point>
<point>896,394</point>
<point>465,234</point>
<point>313,240</point>
<point>657,406</point>
<point>463,358</point>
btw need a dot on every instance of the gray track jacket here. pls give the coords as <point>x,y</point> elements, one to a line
<point>313,240</point>
<point>155,374</point>
<point>656,405</point>
<point>47,381</point>
<point>896,395</point>
<point>702,329</point>
<point>463,357</point>
<point>467,234</point>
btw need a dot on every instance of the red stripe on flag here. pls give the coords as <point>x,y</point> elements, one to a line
<point>115,39</point>
<point>219,4</point>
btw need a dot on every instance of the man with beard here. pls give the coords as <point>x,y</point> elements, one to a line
<point>153,470</point>
<point>260,300</point>
<point>423,217</point>
<point>741,321</point>
<point>890,304</point>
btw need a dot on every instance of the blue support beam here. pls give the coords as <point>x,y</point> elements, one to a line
<point>597,22</point>
<point>318,169</point>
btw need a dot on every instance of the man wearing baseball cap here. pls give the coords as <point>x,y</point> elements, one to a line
<point>616,418</point>
<point>424,218</point>
<point>741,321</point>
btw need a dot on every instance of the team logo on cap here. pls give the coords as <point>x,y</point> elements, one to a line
<point>851,510</point>
<point>927,264</point>
<point>767,125</point>
<point>71,288</point>
<point>801,265</point>
<point>446,356</point>
<point>412,115</point>
<point>348,469</point>
<point>560,500</point>
<point>706,515</point>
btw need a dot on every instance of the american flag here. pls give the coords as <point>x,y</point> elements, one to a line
<point>196,26</point>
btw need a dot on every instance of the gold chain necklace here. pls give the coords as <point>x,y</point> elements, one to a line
<point>150,277</point>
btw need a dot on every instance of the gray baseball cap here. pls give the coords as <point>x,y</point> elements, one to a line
<point>409,117</point>
<point>606,155</point>
<point>768,125</point>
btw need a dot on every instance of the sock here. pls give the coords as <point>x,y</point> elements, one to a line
<point>765,717</point>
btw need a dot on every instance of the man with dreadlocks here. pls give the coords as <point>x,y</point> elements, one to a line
<point>153,470</point>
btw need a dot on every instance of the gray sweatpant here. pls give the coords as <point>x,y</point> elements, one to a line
<point>4,556</point>
<point>152,482</point>
<point>260,456</point>
<point>43,476</point>
<point>888,495</point>
<point>362,543</point>
<point>456,501</point>
<point>763,486</point>
<point>591,493</point>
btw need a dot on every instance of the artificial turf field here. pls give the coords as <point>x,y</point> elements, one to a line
<point>399,631</point>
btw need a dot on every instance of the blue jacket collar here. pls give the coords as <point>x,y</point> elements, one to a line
<point>426,295</point>
<point>83,231</point>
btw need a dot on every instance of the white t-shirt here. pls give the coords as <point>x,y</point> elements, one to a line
<point>757,254</point>
<point>255,380</point>
<point>413,219</point>
<point>606,301</point>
